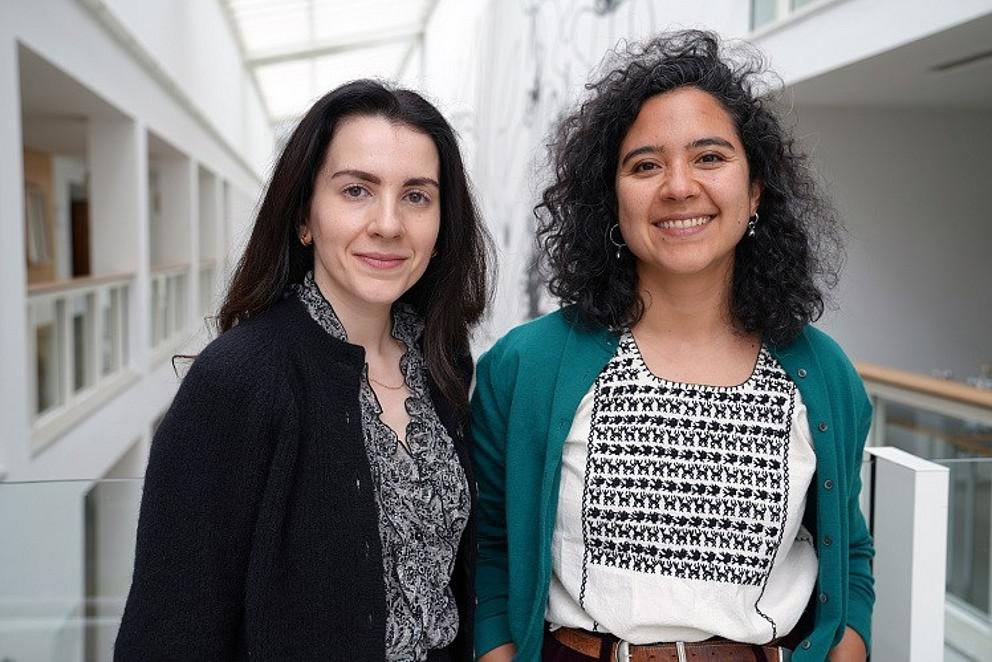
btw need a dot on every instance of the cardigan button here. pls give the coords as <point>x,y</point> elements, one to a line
<point>822,427</point>
<point>358,484</point>
<point>801,372</point>
<point>828,484</point>
<point>347,418</point>
<point>823,598</point>
<point>827,541</point>
<point>806,645</point>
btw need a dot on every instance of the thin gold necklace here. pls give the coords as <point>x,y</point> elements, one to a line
<point>391,388</point>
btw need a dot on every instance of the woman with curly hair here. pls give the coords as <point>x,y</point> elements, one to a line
<point>669,465</point>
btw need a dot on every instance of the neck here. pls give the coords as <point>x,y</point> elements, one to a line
<point>367,324</point>
<point>689,308</point>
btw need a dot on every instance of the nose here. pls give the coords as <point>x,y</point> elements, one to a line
<point>679,182</point>
<point>386,220</point>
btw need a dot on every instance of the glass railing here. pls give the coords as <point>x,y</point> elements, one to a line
<point>78,339</point>
<point>969,558</point>
<point>949,424</point>
<point>169,295</point>
<point>65,567</point>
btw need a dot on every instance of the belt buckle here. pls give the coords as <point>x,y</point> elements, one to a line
<point>623,651</point>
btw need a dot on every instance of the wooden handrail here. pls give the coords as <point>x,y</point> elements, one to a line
<point>66,284</point>
<point>175,267</point>
<point>926,385</point>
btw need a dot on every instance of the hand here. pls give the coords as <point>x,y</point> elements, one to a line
<point>851,648</point>
<point>502,653</point>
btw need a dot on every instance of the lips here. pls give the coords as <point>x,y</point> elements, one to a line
<point>683,223</point>
<point>381,260</point>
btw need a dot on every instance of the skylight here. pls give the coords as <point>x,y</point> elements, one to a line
<point>299,49</point>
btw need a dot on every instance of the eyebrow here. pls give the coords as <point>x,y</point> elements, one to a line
<point>709,141</point>
<point>369,177</point>
<point>422,181</point>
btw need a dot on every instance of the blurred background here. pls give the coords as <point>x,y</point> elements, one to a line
<point>136,137</point>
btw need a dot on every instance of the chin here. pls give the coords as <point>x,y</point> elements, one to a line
<point>381,294</point>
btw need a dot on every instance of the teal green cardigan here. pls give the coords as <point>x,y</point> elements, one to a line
<point>528,387</point>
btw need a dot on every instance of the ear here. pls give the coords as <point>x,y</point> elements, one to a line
<point>304,234</point>
<point>756,188</point>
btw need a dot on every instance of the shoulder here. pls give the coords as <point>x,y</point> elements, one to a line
<point>837,380</point>
<point>832,359</point>
<point>543,336</point>
<point>249,356</point>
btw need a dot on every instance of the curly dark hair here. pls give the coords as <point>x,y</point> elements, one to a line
<point>780,274</point>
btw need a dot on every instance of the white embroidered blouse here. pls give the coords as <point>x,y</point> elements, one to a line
<point>680,507</point>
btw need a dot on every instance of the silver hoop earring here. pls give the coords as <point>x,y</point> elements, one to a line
<point>752,223</point>
<point>620,245</point>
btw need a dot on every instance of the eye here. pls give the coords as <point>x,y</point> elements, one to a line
<point>418,198</point>
<point>645,166</point>
<point>711,158</point>
<point>355,191</point>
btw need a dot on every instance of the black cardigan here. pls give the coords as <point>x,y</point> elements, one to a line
<point>258,536</point>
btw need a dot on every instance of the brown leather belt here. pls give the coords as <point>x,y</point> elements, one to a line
<point>711,650</point>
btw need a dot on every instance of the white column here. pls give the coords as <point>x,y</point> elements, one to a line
<point>192,248</point>
<point>116,186</point>
<point>909,524</point>
<point>224,257</point>
<point>118,169</point>
<point>14,398</point>
<point>210,237</point>
<point>177,178</point>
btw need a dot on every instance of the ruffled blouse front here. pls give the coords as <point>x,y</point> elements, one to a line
<point>421,492</point>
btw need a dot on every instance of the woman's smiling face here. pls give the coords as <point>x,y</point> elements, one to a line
<point>375,213</point>
<point>684,193</point>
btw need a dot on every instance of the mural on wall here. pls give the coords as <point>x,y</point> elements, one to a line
<point>547,51</point>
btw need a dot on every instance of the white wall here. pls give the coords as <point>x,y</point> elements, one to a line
<point>912,186</point>
<point>105,47</point>
<point>183,36</point>
<point>14,411</point>
<point>69,35</point>
<point>829,35</point>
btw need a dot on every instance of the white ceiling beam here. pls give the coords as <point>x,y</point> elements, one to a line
<point>319,49</point>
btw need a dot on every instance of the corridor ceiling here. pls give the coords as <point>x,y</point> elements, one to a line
<point>299,49</point>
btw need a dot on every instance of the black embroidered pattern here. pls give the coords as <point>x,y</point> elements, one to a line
<point>684,480</point>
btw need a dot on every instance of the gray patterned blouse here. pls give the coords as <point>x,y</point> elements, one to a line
<point>421,492</point>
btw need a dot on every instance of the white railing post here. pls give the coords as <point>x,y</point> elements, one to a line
<point>909,523</point>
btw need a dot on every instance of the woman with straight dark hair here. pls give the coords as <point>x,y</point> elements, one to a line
<point>669,466</point>
<point>309,493</point>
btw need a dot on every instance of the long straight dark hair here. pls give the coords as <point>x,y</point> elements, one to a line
<point>452,293</point>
